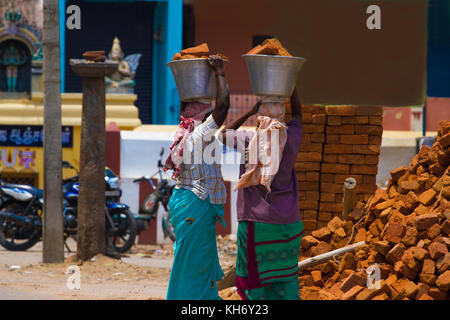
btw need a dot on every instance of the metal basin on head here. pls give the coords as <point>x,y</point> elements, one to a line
<point>194,79</point>
<point>273,76</point>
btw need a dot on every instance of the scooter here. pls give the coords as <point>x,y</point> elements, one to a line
<point>160,196</point>
<point>120,222</point>
<point>22,207</point>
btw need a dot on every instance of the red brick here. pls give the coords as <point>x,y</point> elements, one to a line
<point>330,187</point>
<point>404,270</point>
<point>405,288</point>
<point>318,118</point>
<point>311,147</point>
<point>369,130</point>
<point>330,158</point>
<point>369,111</point>
<point>352,293</point>
<point>410,261</point>
<point>354,139</point>
<point>333,139</point>
<point>444,141</point>
<point>433,231</point>
<point>437,294</point>
<point>420,253</point>
<point>335,168</point>
<point>306,117</point>
<point>317,278</point>
<point>351,158</point>
<point>314,109</point>
<point>363,169</point>
<point>443,281</point>
<point>321,248</point>
<point>310,224</point>
<point>375,140</point>
<point>309,157</point>
<point>429,279</point>
<point>325,216</point>
<point>327,177</point>
<point>308,204</point>
<point>445,241</point>
<point>423,290</point>
<point>355,120</point>
<point>368,159</point>
<point>382,247</point>
<point>331,207</point>
<point>396,253</point>
<point>425,221</point>
<point>437,250</point>
<point>312,195</point>
<point>344,129</point>
<point>397,173</point>
<point>427,197</point>
<point>334,120</point>
<point>366,149</point>
<point>308,242</point>
<point>338,148</point>
<point>308,214</point>
<point>327,197</point>
<point>313,128</point>
<point>445,227</point>
<point>323,234</point>
<point>407,186</point>
<point>317,137</point>
<point>341,110</point>
<point>309,195</point>
<point>368,294</point>
<point>411,237</point>
<point>307,166</point>
<point>355,279</point>
<point>375,120</point>
<point>394,232</point>
<point>308,186</point>
<point>306,281</point>
<point>443,263</point>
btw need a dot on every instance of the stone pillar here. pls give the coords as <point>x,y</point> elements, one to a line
<point>91,201</point>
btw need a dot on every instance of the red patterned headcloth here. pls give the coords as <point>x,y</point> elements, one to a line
<point>194,111</point>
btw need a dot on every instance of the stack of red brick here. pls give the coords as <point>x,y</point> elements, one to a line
<point>338,142</point>
<point>406,228</point>
<point>308,164</point>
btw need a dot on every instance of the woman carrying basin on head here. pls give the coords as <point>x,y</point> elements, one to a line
<point>198,199</point>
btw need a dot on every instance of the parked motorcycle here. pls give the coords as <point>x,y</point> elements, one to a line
<point>160,196</point>
<point>20,216</point>
<point>22,207</point>
<point>120,222</point>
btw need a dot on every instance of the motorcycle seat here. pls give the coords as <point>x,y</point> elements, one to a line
<point>33,190</point>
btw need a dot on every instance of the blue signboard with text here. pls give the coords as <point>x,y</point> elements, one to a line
<point>30,136</point>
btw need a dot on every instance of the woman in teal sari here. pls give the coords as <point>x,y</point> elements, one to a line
<point>198,199</point>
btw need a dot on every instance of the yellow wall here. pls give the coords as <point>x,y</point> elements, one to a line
<point>119,108</point>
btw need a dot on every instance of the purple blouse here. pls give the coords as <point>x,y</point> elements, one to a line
<point>281,205</point>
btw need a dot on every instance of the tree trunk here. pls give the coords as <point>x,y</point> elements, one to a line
<point>53,233</point>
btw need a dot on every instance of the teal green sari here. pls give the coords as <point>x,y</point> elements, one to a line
<point>196,267</point>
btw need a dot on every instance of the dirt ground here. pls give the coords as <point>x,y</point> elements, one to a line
<point>143,273</point>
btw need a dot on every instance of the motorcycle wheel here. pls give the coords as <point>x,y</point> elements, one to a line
<point>124,237</point>
<point>167,227</point>
<point>13,234</point>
